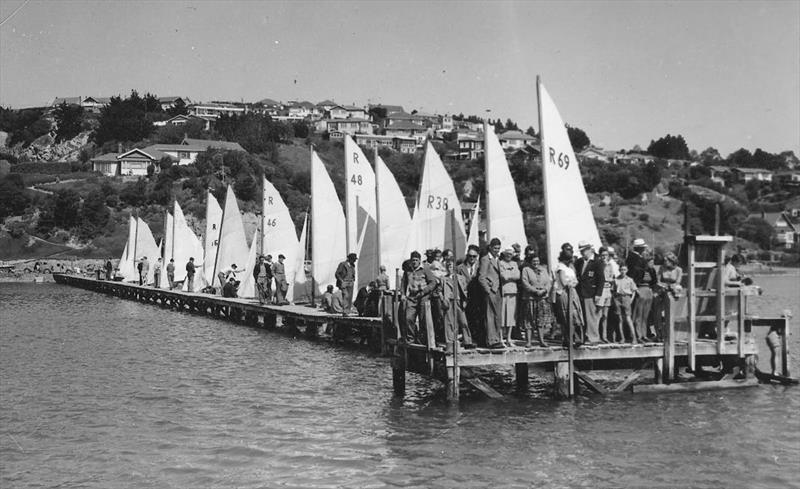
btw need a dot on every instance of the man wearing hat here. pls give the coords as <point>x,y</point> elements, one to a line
<point>416,287</point>
<point>644,279</point>
<point>591,281</point>
<point>489,279</point>
<point>281,285</point>
<point>346,279</point>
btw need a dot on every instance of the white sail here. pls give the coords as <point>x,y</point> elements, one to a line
<point>213,224</point>
<point>279,236</point>
<point>568,214</point>
<point>328,244</point>
<point>299,289</point>
<point>146,246</point>
<point>437,204</point>
<point>186,245</point>
<point>247,287</point>
<point>360,211</point>
<point>395,220</point>
<point>232,241</point>
<point>473,238</point>
<point>503,214</point>
<point>166,253</point>
<point>127,267</point>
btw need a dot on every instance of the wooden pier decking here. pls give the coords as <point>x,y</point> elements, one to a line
<point>570,366</point>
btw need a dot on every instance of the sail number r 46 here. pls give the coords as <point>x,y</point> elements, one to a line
<point>437,203</point>
<point>562,160</point>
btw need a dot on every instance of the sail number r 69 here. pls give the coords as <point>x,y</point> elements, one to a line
<point>562,161</point>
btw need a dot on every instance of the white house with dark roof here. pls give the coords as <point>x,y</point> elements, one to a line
<point>407,129</point>
<point>337,128</point>
<point>515,139</point>
<point>90,104</point>
<point>747,174</point>
<point>130,163</point>
<point>346,112</point>
<point>213,110</point>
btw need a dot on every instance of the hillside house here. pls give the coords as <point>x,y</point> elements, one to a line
<point>403,145</point>
<point>515,139</point>
<point>326,105</point>
<point>213,144</point>
<point>405,118</point>
<point>170,102</point>
<point>788,178</point>
<point>213,110</point>
<point>786,225</point>
<point>181,119</point>
<point>634,158</point>
<point>407,129</point>
<point>597,154</point>
<point>470,146</point>
<point>302,110</point>
<point>720,174</point>
<point>745,175</point>
<point>337,128</point>
<point>346,112</point>
<point>89,104</point>
<point>129,163</point>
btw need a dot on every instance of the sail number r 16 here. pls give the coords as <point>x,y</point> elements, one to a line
<point>562,161</point>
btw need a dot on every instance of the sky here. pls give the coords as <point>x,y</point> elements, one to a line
<point>721,73</point>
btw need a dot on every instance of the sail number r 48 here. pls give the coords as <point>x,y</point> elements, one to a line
<point>562,161</point>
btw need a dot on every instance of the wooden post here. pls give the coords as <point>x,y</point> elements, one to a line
<point>399,371</point>
<point>562,380</point>
<point>720,296</point>
<point>429,335</point>
<point>691,309</point>
<point>785,347</point>
<point>740,323</point>
<point>453,382</point>
<point>716,219</point>
<point>669,340</point>
<point>658,370</point>
<point>521,370</point>
<point>570,344</point>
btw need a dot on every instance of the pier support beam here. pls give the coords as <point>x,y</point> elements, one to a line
<point>399,373</point>
<point>453,383</point>
<point>658,370</point>
<point>521,370</point>
<point>562,381</point>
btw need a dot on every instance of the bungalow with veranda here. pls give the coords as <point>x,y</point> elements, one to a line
<point>130,163</point>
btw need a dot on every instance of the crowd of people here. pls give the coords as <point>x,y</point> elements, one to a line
<point>501,296</point>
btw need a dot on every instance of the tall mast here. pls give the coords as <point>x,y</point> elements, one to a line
<point>263,214</point>
<point>543,150</point>
<point>486,174</point>
<point>311,232</point>
<point>378,256</point>
<point>172,241</point>
<point>347,209</point>
<point>135,238</point>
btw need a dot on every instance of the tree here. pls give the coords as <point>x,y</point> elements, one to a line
<point>246,187</point>
<point>741,158</point>
<point>578,138</point>
<point>178,108</point>
<point>530,131</point>
<point>758,231</point>
<point>94,213</point>
<point>710,155</point>
<point>123,120</point>
<point>669,147</point>
<point>68,120</point>
<point>66,208</point>
<point>511,125</point>
<point>13,199</point>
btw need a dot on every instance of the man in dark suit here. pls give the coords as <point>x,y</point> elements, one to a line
<point>591,280</point>
<point>468,277</point>
<point>489,279</point>
<point>345,280</point>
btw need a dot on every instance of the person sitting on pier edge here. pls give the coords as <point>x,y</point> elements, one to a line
<point>591,281</point>
<point>645,279</point>
<point>474,293</point>
<point>109,269</point>
<point>605,297</point>
<point>624,291</point>
<point>171,273</point>
<point>489,278</point>
<point>509,276</point>
<point>190,275</point>
<point>535,286</point>
<point>157,273</point>
<point>262,273</point>
<point>346,279</point>
<point>418,283</point>
<point>281,285</point>
<point>382,280</point>
<point>230,288</point>
<point>144,268</point>
<point>566,299</point>
<point>326,302</point>
<point>230,272</point>
<point>456,320</point>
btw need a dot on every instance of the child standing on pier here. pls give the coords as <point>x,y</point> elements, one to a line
<point>624,291</point>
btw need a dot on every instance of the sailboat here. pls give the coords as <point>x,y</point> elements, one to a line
<point>213,224</point>
<point>437,216</point>
<point>232,240</point>
<point>328,228</point>
<point>503,214</point>
<point>247,287</point>
<point>568,213</point>
<point>360,212</point>
<point>127,267</point>
<point>166,251</point>
<point>278,234</point>
<point>395,220</point>
<point>473,238</point>
<point>144,245</point>
<point>185,245</point>
<point>299,287</point>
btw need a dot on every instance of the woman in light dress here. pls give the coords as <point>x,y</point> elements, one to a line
<point>509,276</point>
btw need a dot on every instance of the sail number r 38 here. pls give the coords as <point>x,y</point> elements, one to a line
<point>562,161</point>
<point>437,203</point>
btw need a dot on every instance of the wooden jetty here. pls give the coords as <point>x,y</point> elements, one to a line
<point>682,346</point>
<point>306,320</point>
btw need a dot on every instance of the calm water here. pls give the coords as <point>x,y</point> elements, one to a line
<point>100,392</point>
